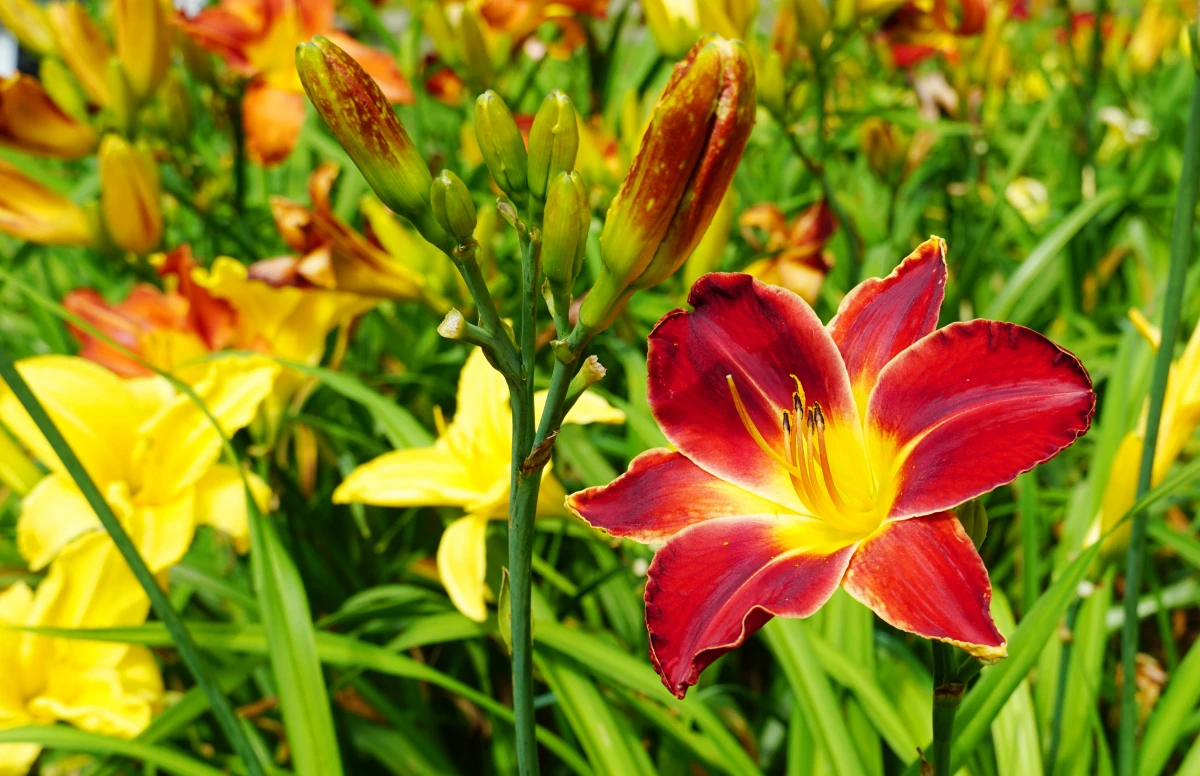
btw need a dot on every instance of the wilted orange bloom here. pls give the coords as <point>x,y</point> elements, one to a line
<point>32,122</point>
<point>795,253</point>
<point>330,253</point>
<point>33,212</point>
<point>257,38</point>
<point>165,328</point>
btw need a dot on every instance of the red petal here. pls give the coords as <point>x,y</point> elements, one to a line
<point>924,576</point>
<point>760,335</point>
<point>662,493</point>
<point>979,403</point>
<point>714,584</point>
<point>882,316</point>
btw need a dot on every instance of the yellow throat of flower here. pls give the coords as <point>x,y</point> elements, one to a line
<point>827,465</point>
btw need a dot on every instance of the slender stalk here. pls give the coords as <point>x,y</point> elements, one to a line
<point>947,695</point>
<point>1181,253</point>
<point>161,604</point>
<point>1060,688</point>
<point>508,360</point>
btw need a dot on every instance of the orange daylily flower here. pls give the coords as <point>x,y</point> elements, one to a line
<point>32,122</point>
<point>806,457</point>
<point>332,255</point>
<point>257,38</point>
<point>518,19</point>
<point>796,258</point>
<point>923,28</point>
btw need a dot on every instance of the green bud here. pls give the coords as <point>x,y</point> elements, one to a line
<point>974,521</point>
<point>476,62</point>
<point>61,86</point>
<point>360,117</point>
<point>123,104</point>
<point>501,143</point>
<point>453,207</point>
<point>553,142</point>
<point>564,231</point>
<point>177,106</point>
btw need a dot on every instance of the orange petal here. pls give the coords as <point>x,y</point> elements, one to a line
<point>272,119</point>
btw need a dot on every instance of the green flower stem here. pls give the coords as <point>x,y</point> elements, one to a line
<point>158,598</point>
<point>1181,252</point>
<point>508,361</point>
<point>947,696</point>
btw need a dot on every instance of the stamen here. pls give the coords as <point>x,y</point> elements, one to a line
<point>819,422</point>
<point>799,390</point>
<point>753,430</point>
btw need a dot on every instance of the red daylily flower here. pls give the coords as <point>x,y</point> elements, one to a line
<point>919,30</point>
<point>258,38</point>
<point>808,456</point>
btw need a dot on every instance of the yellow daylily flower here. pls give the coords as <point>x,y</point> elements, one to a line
<point>151,451</point>
<point>468,467</point>
<point>130,195</point>
<point>106,688</point>
<point>31,211</point>
<point>83,47</point>
<point>677,24</point>
<point>1180,417</point>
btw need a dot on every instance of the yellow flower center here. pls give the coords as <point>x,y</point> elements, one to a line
<point>826,463</point>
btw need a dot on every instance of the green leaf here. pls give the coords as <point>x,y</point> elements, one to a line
<point>789,642</point>
<point>1015,731</point>
<point>287,622</point>
<point>73,740</point>
<point>1166,725</point>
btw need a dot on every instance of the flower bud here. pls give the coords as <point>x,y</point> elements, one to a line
<point>772,89</point>
<point>33,212</point>
<point>553,142</point>
<point>361,118</point>
<point>32,122</point>
<point>886,148</point>
<point>58,82</point>
<point>453,207</point>
<point>564,232</point>
<point>82,45</point>
<point>811,20</point>
<point>477,64</point>
<point>177,107</point>
<point>129,195</point>
<point>683,167</point>
<point>974,521</point>
<point>27,22</point>
<point>501,144</point>
<point>143,44</point>
<point>122,102</point>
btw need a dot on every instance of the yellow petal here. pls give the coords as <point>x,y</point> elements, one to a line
<point>17,759</point>
<point>462,564</point>
<point>261,309</point>
<point>130,196</point>
<point>52,515</point>
<point>90,405</point>
<point>163,531</point>
<point>116,700</point>
<point>15,605</point>
<point>180,444</point>
<point>31,121</point>
<point>82,45</point>
<point>481,431</point>
<point>221,502</point>
<point>590,408</point>
<point>418,476</point>
<point>89,585</point>
<point>302,336</point>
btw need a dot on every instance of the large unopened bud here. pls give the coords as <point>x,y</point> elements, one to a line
<point>83,46</point>
<point>453,207</point>
<point>143,43</point>
<point>553,142</point>
<point>501,143</point>
<point>564,232</point>
<point>26,20</point>
<point>361,118</point>
<point>129,195</point>
<point>683,168</point>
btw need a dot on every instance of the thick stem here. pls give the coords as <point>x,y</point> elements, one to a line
<point>522,509</point>
<point>1181,252</point>
<point>508,361</point>
<point>947,695</point>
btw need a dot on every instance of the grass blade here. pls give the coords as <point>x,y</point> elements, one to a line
<point>74,740</point>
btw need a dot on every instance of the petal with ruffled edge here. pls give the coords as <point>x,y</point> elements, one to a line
<point>715,583</point>
<point>970,407</point>
<point>91,406</point>
<point>52,515</point>
<point>113,701</point>
<point>661,494</point>
<point>881,317</point>
<point>923,575</point>
<point>759,335</point>
<point>462,564</point>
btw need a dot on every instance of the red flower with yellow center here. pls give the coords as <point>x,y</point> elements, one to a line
<point>808,456</point>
